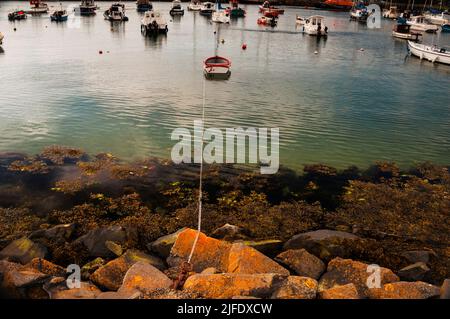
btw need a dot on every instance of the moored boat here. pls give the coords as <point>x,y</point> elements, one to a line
<point>402,30</point>
<point>59,15</point>
<point>37,7</point>
<point>299,20</point>
<point>153,23</point>
<point>217,68</point>
<point>87,7</point>
<point>234,11</point>
<point>144,5</point>
<point>418,23</point>
<point>391,13</point>
<point>176,9</point>
<point>207,9</point>
<point>445,28</point>
<point>315,25</point>
<point>220,16</point>
<point>116,13</point>
<point>267,7</point>
<point>339,5</point>
<point>270,21</point>
<point>194,5</point>
<point>431,53</point>
<point>437,18</point>
<point>17,15</point>
<point>359,12</point>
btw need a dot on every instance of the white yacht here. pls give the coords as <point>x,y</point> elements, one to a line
<point>431,53</point>
<point>419,23</point>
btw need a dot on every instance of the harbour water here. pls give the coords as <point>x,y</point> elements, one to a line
<point>351,99</point>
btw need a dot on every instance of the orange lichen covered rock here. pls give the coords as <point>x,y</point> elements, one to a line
<point>209,252</point>
<point>145,278</point>
<point>405,290</point>
<point>221,286</point>
<point>86,291</point>
<point>348,291</point>
<point>246,260</point>
<point>297,287</point>
<point>46,267</point>
<point>344,271</point>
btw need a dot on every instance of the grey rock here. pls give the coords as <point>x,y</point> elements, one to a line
<point>229,232</point>
<point>95,240</point>
<point>57,233</point>
<point>415,256</point>
<point>163,245</point>
<point>414,272</point>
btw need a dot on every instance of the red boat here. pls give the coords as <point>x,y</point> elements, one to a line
<point>271,21</point>
<point>343,5</point>
<point>217,68</point>
<point>271,13</point>
<point>267,7</point>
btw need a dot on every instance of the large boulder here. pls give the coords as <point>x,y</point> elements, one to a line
<point>296,287</point>
<point>348,291</point>
<point>229,232</point>
<point>323,243</point>
<point>209,252</point>
<point>345,271</point>
<point>404,290</point>
<point>95,240</point>
<point>221,286</point>
<point>414,272</point>
<point>163,245</point>
<point>110,276</point>
<point>246,260</point>
<point>445,289</point>
<point>302,263</point>
<point>23,250</point>
<point>18,283</point>
<point>145,278</point>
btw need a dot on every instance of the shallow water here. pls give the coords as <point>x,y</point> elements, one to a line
<point>340,106</point>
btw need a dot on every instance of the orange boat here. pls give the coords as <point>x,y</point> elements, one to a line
<point>337,4</point>
<point>267,7</point>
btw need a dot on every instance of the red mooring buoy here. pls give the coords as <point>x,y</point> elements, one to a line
<point>244,46</point>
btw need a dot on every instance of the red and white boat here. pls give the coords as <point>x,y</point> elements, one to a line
<point>217,68</point>
<point>267,7</point>
<point>270,21</point>
<point>37,7</point>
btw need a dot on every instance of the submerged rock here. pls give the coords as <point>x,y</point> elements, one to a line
<point>296,287</point>
<point>323,243</point>
<point>404,290</point>
<point>347,291</point>
<point>111,275</point>
<point>302,263</point>
<point>230,285</point>
<point>145,278</point>
<point>95,240</point>
<point>23,250</point>
<point>229,232</point>
<point>344,271</point>
<point>246,260</point>
<point>414,272</point>
<point>163,245</point>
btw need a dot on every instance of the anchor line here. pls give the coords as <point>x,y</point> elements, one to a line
<point>200,184</point>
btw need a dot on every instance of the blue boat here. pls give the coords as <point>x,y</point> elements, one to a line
<point>445,28</point>
<point>59,16</point>
<point>143,5</point>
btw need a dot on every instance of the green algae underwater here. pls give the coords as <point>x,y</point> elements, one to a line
<point>391,209</point>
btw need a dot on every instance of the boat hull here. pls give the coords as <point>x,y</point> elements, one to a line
<point>406,36</point>
<point>427,53</point>
<point>176,12</point>
<point>59,19</point>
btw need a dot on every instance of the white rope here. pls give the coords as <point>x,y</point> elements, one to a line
<point>200,184</point>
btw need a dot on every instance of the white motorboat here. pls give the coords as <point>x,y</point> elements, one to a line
<point>391,13</point>
<point>220,16</point>
<point>314,25</point>
<point>418,23</point>
<point>116,13</point>
<point>438,19</point>
<point>207,9</point>
<point>359,12</point>
<point>403,31</point>
<point>153,23</point>
<point>176,9</point>
<point>431,53</point>
<point>37,7</point>
<point>1,38</point>
<point>299,20</point>
<point>194,5</point>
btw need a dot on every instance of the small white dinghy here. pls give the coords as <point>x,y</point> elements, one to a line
<point>153,23</point>
<point>220,17</point>
<point>299,20</point>
<point>217,68</point>
<point>419,23</point>
<point>431,53</point>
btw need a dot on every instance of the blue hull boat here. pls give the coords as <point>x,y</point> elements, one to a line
<point>446,28</point>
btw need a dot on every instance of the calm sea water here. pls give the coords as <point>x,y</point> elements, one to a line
<point>340,106</point>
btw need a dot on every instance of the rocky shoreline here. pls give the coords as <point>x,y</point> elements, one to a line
<point>130,229</point>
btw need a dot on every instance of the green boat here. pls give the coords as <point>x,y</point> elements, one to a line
<point>235,11</point>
